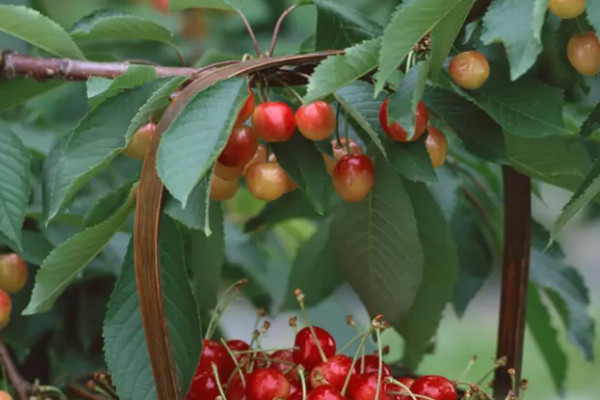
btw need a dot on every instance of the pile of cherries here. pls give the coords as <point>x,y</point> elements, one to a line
<point>310,370</point>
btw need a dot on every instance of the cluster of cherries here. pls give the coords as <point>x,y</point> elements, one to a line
<point>311,370</point>
<point>13,276</point>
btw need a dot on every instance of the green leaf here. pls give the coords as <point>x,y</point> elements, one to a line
<point>135,76</point>
<point>300,158</point>
<point>16,91</point>
<point>410,160</point>
<point>419,325</point>
<point>478,132</point>
<point>409,24</point>
<point>338,71</point>
<point>586,193</point>
<point>592,122</point>
<point>546,338</point>
<point>119,25</point>
<point>522,37</point>
<point>35,247</point>
<point>315,270</point>
<point>91,145</point>
<point>592,9</point>
<point>290,205</point>
<point>14,185</point>
<point>349,25</point>
<point>195,214</point>
<point>378,248</point>
<point>565,288</point>
<point>192,143</point>
<point>107,205</point>
<point>65,262</point>
<point>125,347</point>
<point>32,27</point>
<point>178,5</point>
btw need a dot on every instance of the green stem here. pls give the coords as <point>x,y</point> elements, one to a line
<point>360,347</point>
<point>216,374</point>
<point>380,366</point>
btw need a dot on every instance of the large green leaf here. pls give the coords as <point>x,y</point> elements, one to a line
<point>315,270</point>
<point>14,184</point>
<point>178,5</point>
<point>135,76</point>
<point>195,214</point>
<point>592,122</point>
<point>566,289</point>
<point>522,37</point>
<point>479,133</point>
<point>125,346</point>
<point>290,205</point>
<point>411,160</point>
<point>197,136</point>
<point>301,159</point>
<point>65,262</point>
<point>419,325</point>
<point>546,337</point>
<point>17,91</point>
<point>409,24</point>
<point>98,138</point>
<point>586,193</point>
<point>592,9</point>
<point>340,26</point>
<point>107,205</point>
<point>378,248</point>
<point>31,26</point>
<point>119,25</point>
<point>338,71</point>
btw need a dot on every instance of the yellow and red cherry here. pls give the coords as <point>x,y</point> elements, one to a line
<point>434,387</point>
<point>240,147</point>
<point>273,121</point>
<point>583,52</point>
<point>316,121</point>
<point>306,351</point>
<point>395,131</point>
<point>267,384</point>
<point>469,69</point>
<point>340,150</point>
<point>227,173</point>
<point>260,155</point>
<point>567,9</point>
<point>437,146</point>
<point>247,109</point>
<point>140,141</point>
<point>5,308</point>
<point>266,181</point>
<point>222,189</point>
<point>13,272</point>
<point>353,177</point>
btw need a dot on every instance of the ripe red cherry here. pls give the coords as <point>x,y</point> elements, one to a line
<point>437,146</point>
<point>395,131</point>
<point>469,69</point>
<point>566,9</point>
<point>139,143</point>
<point>364,387</point>
<point>5,308</point>
<point>307,352</point>
<point>240,147</point>
<point>332,372</point>
<point>267,384</point>
<point>392,389</point>
<point>295,396</point>
<point>229,364</point>
<point>353,177</point>
<point>316,121</point>
<point>236,389</point>
<point>325,393</point>
<point>247,110</point>
<point>340,150</point>
<point>371,365</point>
<point>161,5</point>
<point>273,121</point>
<point>212,352</point>
<point>583,52</point>
<point>435,387</point>
<point>13,272</point>
<point>203,387</point>
<point>266,181</point>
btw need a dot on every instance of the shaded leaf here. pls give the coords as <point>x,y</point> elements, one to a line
<point>178,5</point>
<point>592,9</point>
<point>17,91</point>
<point>592,122</point>
<point>135,76</point>
<point>107,205</point>
<point>119,25</point>
<point>290,205</point>
<point>195,214</point>
<point>410,160</point>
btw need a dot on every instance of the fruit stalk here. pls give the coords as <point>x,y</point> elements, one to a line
<point>21,386</point>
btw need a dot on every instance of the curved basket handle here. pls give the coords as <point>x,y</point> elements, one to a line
<point>147,223</point>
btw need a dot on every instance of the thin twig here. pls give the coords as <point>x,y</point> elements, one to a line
<point>21,386</point>
<point>478,206</point>
<point>250,32</point>
<point>278,27</point>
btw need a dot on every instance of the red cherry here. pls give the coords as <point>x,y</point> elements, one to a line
<point>307,352</point>
<point>13,272</point>
<point>371,365</point>
<point>435,387</point>
<point>316,121</point>
<point>267,384</point>
<point>437,146</point>
<point>236,389</point>
<point>240,147</point>
<point>469,69</point>
<point>247,110</point>
<point>203,387</point>
<point>139,143</point>
<point>295,396</point>
<point>325,393</point>
<point>332,372</point>
<point>394,388</point>
<point>229,364</point>
<point>161,5</point>
<point>364,387</point>
<point>212,352</point>
<point>266,181</point>
<point>395,131</point>
<point>274,121</point>
<point>340,150</point>
<point>222,189</point>
<point>5,308</point>
<point>353,177</point>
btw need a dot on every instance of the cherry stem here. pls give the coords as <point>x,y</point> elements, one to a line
<point>337,125</point>
<point>221,305</point>
<point>300,298</point>
<point>273,360</point>
<point>22,387</point>
<point>289,89</point>
<point>380,364</point>
<point>356,355</point>
<point>104,383</point>
<point>351,341</point>
<point>55,390</point>
<point>238,367</point>
<point>302,381</point>
<point>347,131</point>
<point>497,364</point>
<point>267,350</point>
<point>471,385</point>
<point>278,27</point>
<point>250,32</point>
<point>216,374</point>
<point>407,390</point>
<point>179,54</point>
<point>468,368</point>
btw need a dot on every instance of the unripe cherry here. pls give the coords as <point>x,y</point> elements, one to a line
<point>227,173</point>
<point>469,69</point>
<point>222,189</point>
<point>437,146</point>
<point>583,52</point>
<point>5,395</point>
<point>5,308</point>
<point>139,143</point>
<point>316,121</point>
<point>567,9</point>
<point>266,181</point>
<point>13,272</point>
<point>260,155</point>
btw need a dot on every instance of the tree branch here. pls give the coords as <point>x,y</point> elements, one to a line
<point>22,387</point>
